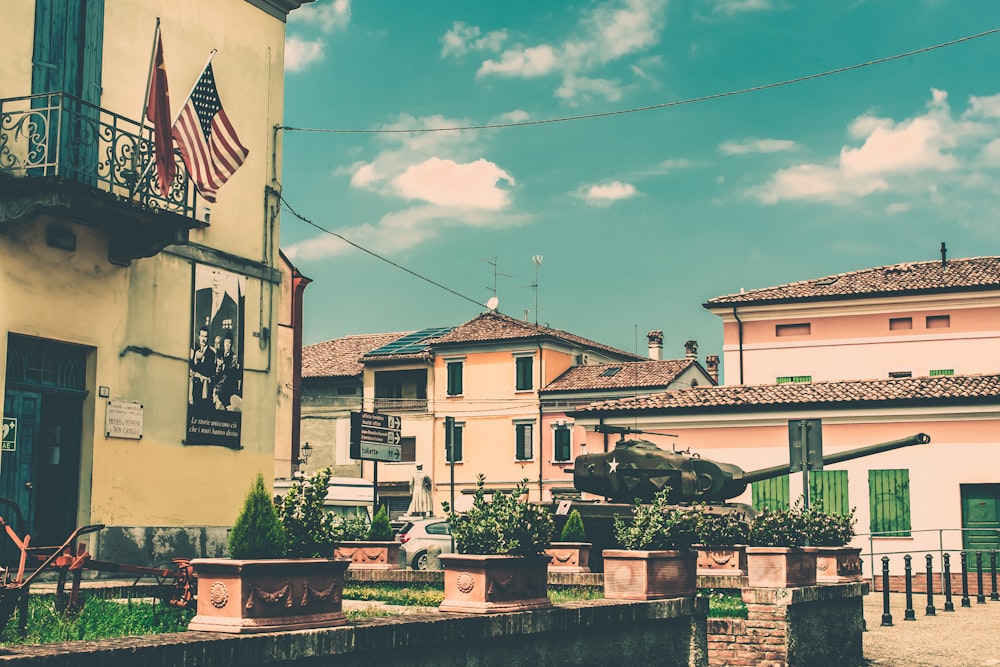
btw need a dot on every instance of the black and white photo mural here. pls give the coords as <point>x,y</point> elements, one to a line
<point>215,376</point>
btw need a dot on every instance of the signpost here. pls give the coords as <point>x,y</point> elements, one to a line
<point>805,450</point>
<point>375,437</point>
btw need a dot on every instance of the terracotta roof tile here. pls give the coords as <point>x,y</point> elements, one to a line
<point>494,326</point>
<point>341,357</point>
<point>955,388</point>
<point>909,278</point>
<point>630,375</point>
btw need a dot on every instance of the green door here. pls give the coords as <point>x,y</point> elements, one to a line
<point>17,468</point>
<point>980,517</point>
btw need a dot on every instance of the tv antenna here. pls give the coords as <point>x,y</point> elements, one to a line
<point>537,259</point>
<point>492,261</point>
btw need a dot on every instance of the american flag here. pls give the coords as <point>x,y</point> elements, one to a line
<point>208,142</point>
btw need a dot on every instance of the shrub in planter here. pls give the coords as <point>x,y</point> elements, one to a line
<point>500,564</point>
<point>829,530</point>
<point>788,527</point>
<point>656,560</point>
<point>572,552</point>
<point>310,528</point>
<point>830,534</point>
<point>722,540</point>
<point>380,530</point>
<point>257,532</point>
<point>573,530</point>
<point>369,546</point>
<point>777,555</point>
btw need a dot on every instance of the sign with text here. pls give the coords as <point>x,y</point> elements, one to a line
<point>375,437</point>
<point>123,419</point>
<point>8,443</point>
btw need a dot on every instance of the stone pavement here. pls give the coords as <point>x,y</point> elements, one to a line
<point>966,637</point>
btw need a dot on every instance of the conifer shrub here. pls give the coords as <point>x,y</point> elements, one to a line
<point>258,532</point>
<point>573,530</point>
<point>380,530</point>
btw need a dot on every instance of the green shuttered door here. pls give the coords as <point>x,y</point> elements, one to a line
<point>889,495</point>
<point>770,493</point>
<point>828,491</point>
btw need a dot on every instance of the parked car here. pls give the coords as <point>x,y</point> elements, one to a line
<point>418,535</point>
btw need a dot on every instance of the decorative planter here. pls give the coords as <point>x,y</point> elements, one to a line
<point>493,584</point>
<point>781,567</point>
<point>245,596</point>
<point>649,575</point>
<point>570,556</point>
<point>370,555</point>
<point>728,561</point>
<point>838,565</point>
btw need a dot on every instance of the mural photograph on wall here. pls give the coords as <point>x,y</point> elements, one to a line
<point>215,376</point>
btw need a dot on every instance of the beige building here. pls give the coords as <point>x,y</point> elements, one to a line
<point>139,319</point>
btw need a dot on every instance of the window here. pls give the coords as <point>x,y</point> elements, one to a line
<point>938,321</point>
<point>524,380</point>
<point>456,443</point>
<point>889,498</point>
<point>801,329</point>
<point>785,379</point>
<point>901,374</point>
<point>942,371</point>
<point>828,491</point>
<point>900,323</point>
<point>562,443</point>
<point>455,369</point>
<point>440,528</point>
<point>407,449</point>
<point>522,444</point>
<point>611,372</point>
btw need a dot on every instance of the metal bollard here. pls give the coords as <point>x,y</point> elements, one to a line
<point>886,616</point>
<point>980,598</point>
<point>908,614</point>
<point>993,575</point>
<point>948,604</point>
<point>929,610</point>
<point>965,580</point>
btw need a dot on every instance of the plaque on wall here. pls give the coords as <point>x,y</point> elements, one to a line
<point>123,419</point>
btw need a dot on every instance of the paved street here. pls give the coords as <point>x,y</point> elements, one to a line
<point>966,637</point>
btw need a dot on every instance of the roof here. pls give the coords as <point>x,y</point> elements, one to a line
<point>941,389</point>
<point>493,326</point>
<point>625,375</point>
<point>975,273</point>
<point>341,357</point>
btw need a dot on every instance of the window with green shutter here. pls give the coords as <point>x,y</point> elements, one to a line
<point>524,372</point>
<point>889,497</point>
<point>828,491</point>
<point>523,441</point>
<point>562,443</point>
<point>456,444</point>
<point>455,369</point>
<point>770,493</point>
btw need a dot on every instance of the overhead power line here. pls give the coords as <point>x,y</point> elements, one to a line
<point>664,105</point>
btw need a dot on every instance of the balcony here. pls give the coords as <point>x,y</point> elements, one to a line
<point>66,159</point>
<point>401,405</point>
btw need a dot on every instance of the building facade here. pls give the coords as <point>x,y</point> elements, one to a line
<point>137,319</point>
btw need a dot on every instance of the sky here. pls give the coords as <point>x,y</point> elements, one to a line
<point>651,202</point>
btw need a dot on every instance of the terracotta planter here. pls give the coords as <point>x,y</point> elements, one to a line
<point>569,556</point>
<point>781,567</point>
<point>245,596</point>
<point>493,584</point>
<point>370,555</point>
<point>838,565</point>
<point>649,575</point>
<point>728,561</point>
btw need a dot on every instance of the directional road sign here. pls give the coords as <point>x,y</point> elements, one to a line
<point>378,420</point>
<point>375,437</point>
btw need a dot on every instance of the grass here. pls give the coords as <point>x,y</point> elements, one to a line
<point>724,603</point>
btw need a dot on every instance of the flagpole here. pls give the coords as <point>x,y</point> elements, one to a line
<point>145,98</point>
<point>208,62</point>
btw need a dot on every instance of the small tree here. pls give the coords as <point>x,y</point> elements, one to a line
<point>309,526</point>
<point>257,533</point>
<point>508,525</point>
<point>380,530</point>
<point>573,529</point>
<point>657,526</point>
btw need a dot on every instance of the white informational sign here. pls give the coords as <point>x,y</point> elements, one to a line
<point>123,419</point>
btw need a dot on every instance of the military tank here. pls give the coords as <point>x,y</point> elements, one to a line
<point>635,470</point>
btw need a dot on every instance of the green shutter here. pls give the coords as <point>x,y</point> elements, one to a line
<point>523,367</point>
<point>562,444</point>
<point>770,493</point>
<point>889,496</point>
<point>828,491</point>
<point>455,378</point>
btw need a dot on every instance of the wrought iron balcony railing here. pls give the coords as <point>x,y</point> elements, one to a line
<point>401,404</point>
<point>59,135</point>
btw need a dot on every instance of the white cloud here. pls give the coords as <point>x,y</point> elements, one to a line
<point>607,193</point>
<point>736,6</point>
<point>607,33</point>
<point>898,207</point>
<point>300,53</point>
<point>515,116</point>
<point>447,183</point>
<point>327,16</point>
<point>756,146</point>
<point>812,181</point>
<point>983,107</point>
<point>464,38</point>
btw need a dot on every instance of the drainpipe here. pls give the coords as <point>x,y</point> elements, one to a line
<point>299,283</point>
<point>739,325</point>
<point>538,392</point>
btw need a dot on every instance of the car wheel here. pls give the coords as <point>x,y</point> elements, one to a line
<point>420,561</point>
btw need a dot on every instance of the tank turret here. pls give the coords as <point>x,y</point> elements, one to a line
<point>638,469</point>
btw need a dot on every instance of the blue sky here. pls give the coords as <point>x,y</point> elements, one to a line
<point>639,217</point>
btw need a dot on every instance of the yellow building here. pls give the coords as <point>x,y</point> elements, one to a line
<point>138,314</point>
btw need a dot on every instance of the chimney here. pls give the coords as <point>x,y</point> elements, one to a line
<point>691,349</point>
<point>712,366</point>
<point>655,344</point>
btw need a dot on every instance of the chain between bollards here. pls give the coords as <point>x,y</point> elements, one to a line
<point>929,610</point>
<point>948,604</point>
<point>886,616</point>
<point>908,614</point>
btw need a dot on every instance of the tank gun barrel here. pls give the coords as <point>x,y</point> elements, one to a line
<point>779,470</point>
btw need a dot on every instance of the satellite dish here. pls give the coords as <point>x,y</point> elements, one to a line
<point>493,303</point>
